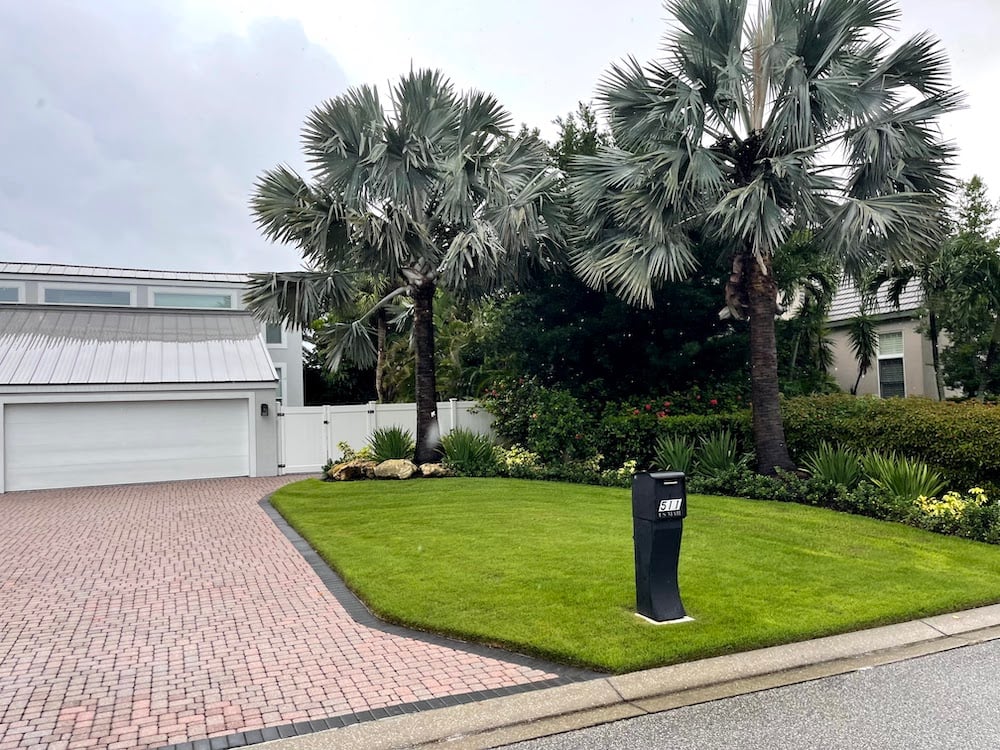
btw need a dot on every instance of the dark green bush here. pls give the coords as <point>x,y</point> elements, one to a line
<point>550,422</point>
<point>962,440</point>
<point>625,435</point>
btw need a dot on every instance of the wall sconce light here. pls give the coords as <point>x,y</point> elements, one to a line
<point>264,410</point>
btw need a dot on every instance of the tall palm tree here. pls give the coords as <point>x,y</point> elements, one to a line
<point>433,192</point>
<point>755,125</point>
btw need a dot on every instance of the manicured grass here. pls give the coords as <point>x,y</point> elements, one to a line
<point>546,568</point>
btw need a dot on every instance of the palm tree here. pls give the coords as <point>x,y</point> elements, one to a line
<point>433,192</point>
<point>863,338</point>
<point>757,125</point>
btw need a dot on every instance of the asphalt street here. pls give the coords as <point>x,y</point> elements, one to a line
<point>945,701</point>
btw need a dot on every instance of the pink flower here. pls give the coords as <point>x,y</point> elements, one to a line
<point>635,411</point>
<point>697,397</point>
<point>714,402</point>
<point>661,414</point>
<point>648,407</point>
<point>667,404</point>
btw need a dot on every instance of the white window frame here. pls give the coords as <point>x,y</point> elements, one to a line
<point>19,285</point>
<point>234,295</point>
<point>42,288</point>
<point>886,357</point>
<point>279,367</point>
<point>283,344</point>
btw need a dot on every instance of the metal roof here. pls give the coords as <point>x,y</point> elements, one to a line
<point>75,345</point>
<point>54,269</point>
<point>847,302</point>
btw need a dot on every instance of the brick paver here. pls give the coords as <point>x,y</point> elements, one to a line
<point>145,615</point>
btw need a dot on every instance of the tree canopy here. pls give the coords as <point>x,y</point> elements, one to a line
<point>759,123</point>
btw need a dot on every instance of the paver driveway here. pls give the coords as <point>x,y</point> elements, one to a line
<point>147,615</point>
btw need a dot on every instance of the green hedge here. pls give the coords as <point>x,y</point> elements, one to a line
<point>960,439</point>
<point>633,436</point>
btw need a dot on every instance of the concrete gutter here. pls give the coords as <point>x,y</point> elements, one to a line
<point>501,721</point>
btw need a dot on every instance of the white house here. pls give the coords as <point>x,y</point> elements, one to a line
<point>112,376</point>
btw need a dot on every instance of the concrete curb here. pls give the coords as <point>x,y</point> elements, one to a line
<point>500,721</point>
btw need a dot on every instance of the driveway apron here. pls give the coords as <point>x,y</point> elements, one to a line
<point>149,615</point>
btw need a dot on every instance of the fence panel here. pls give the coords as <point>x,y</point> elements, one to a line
<point>309,435</point>
<point>302,439</point>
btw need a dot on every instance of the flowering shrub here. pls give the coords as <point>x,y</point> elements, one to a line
<point>518,462</point>
<point>949,513</point>
<point>347,453</point>
<point>620,477</point>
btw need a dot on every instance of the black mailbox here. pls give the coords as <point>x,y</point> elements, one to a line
<point>659,505</point>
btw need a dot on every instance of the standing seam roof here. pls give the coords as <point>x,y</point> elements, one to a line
<point>70,346</point>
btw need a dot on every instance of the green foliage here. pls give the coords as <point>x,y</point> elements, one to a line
<point>625,434</point>
<point>960,440</point>
<point>548,421</point>
<point>834,464</point>
<point>519,463</point>
<point>901,477</point>
<point>392,442</point>
<point>347,453</point>
<point>864,499</point>
<point>718,454</point>
<point>470,454</point>
<point>571,337</point>
<point>674,453</point>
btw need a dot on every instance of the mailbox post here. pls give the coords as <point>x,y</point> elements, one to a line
<point>659,505</point>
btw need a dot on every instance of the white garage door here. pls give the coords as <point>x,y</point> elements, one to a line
<point>122,442</point>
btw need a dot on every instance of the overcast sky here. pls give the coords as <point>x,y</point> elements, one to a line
<point>132,130</point>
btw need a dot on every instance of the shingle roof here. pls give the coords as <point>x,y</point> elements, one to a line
<point>53,269</point>
<point>72,345</point>
<point>847,302</point>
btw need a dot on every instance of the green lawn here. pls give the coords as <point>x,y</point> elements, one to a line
<point>546,568</point>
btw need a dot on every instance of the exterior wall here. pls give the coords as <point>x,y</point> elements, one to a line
<point>288,356</point>
<point>918,367</point>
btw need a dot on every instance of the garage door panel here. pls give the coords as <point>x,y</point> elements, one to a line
<point>84,444</point>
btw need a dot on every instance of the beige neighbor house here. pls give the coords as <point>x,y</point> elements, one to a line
<point>904,364</point>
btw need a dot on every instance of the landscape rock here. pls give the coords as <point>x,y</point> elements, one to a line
<point>433,470</point>
<point>347,471</point>
<point>396,468</point>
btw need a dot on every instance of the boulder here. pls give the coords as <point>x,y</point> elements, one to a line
<point>433,470</point>
<point>395,468</point>
<point>347,471</point>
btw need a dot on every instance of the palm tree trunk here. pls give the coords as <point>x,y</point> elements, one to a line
<point>382,332</point>
<point>934,334</point>
<point>428,432</point>
<point>768,432</point>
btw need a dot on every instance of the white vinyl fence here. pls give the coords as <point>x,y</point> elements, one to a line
<point>308,435</point>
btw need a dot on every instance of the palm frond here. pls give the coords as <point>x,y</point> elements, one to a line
<point>297,298</point>
<point>353,342</point>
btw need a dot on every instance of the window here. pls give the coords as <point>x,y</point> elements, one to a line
<point>274,334</point>
<point>891,383</point>
<point>280,369</point>
<point>201,300</point>
<point>78,295</point>
<point>10,294</point>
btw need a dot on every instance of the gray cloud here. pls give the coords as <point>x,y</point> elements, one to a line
<point>126,141</point>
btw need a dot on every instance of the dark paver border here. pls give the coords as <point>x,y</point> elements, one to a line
<point>362,615</point>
